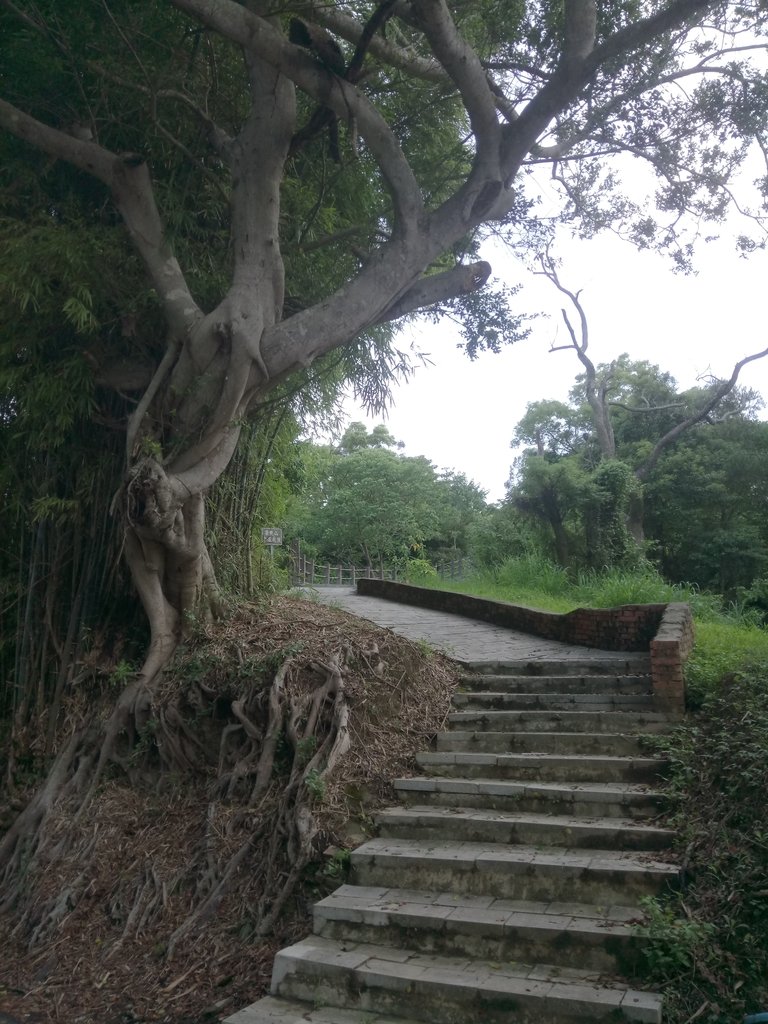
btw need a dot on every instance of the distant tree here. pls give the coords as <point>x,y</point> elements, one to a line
<point>356,437</point>
<point>623,410</point>
<point>377,506</point>
<point>706,506</point>
<point>594,504</point>
<point>459,504</point>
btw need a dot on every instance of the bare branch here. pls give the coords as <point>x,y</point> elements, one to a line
<point>647,408</point>
<point>595,396</point>
<point>643,471</point>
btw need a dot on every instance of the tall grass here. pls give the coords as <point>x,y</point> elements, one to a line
<point>534,580</point>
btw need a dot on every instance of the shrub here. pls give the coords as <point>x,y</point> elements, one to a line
<point>709,943</point>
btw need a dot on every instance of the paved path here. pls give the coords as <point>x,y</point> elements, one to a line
<point>459,637</point>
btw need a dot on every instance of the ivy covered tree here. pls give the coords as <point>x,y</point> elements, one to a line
<point>600,507</point>
<point>244,190</point>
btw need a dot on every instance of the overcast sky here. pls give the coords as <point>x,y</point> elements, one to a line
<point>462,414</point>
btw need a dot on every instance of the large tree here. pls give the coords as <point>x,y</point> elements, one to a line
<point>247,93</point>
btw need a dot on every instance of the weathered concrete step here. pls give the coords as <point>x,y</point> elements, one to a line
<point>553,701</point>
<point>598,664</point>
<point>271,1010</point>
<point>559,684</point>
<point>451,990</point>
<point>511,872</point>
<point>631,722</point>
<point>554,742</point>
<point>604,799</point>
<point>469,824</point>
<point>480,926</point>
<point>541,767</point>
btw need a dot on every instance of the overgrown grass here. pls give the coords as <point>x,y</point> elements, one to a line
<point>724,646</point>
<point>535,581</point>
<point>708,944</point>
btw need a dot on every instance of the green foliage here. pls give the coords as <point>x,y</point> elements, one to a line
<point>498,533</point>
<point>315,784</point>
<point>532,572</point>
<point>533,579</point>
<point>364,502</point>
<point>420,571</point>
<point>672,941</point>
<point>306,748</point>
<point>723,647</point>
<point>337,866</point>
<point>614,587</point>
<point>608,539</point>
<point>704,506</point>
<point>715,953</point>
<point>701,504</point>
<point>121,674</point>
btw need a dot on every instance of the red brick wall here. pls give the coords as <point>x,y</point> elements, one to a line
<point>670,648</point>
<point>665,630</point>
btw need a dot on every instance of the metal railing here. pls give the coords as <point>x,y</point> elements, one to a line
<point>307,572</point>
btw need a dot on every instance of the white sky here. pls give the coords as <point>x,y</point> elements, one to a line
<point>461,415</point>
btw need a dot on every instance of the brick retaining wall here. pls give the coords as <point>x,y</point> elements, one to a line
<point>665,630</point>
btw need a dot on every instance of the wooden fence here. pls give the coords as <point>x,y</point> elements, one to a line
<point>306,572</point>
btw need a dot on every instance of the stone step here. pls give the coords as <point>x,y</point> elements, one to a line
<point>558,684</point>
<point>451,990</point>
<point>603,799</point>
<point>598,664</point>
<point>512,872</point>
<point>553,742</point>
<point>271,1010</point>
<point>572,935</point>
<point>541,767</point>
<point>553,701</point>
<point>631,722</point>
<point>469,824</point>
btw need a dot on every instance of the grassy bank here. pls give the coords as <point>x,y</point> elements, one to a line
<point>538,583</point>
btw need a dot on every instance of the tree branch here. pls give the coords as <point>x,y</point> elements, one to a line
<point>127,177</point>
<point>351,29</point>
<point>217,137</point>
<point>647,408</point>
<point>574,71</point>
<point>262,39</point>
<point>428,291</point>
<point>596,398</point>
<point>467,73</point>
<point>643,471</point>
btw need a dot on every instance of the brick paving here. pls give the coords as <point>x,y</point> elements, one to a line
<point>461,638</point>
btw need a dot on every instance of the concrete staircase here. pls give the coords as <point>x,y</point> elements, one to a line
<point>505,885</point>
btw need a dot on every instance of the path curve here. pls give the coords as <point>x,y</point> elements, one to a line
<point>467,640</point>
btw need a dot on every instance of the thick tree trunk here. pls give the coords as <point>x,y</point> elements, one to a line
<point>562,547</point>
<point>636,516</point>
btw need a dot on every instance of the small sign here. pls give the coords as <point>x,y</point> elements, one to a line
<point>272,535</point>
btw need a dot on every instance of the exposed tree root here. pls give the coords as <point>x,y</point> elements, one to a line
<point>206,799</point>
